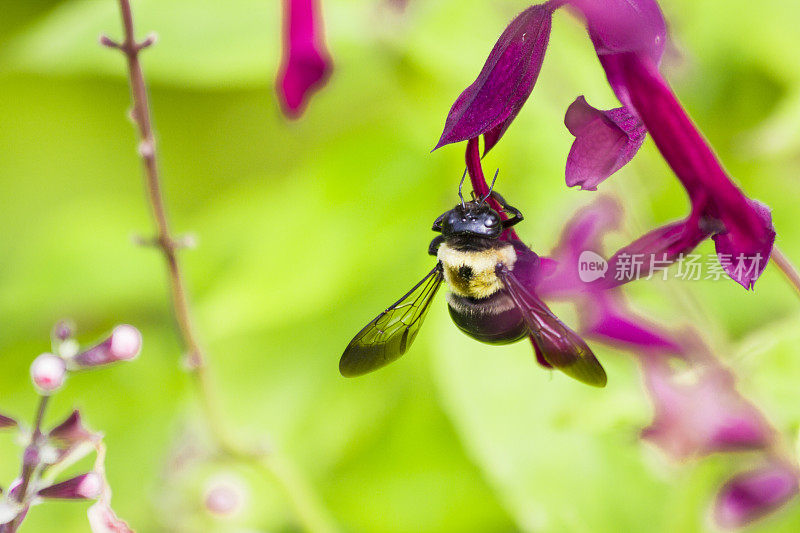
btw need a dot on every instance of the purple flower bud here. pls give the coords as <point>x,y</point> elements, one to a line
<point>490,104</point>
<point>605,141</point>
<point>84,487</point>
<point>306,62</point>
<point>48,372</point>
<point>6,422</point>
<point>699,411</point>
<point>63,330</point>
<point>753,494</point>
<point>124,343</point>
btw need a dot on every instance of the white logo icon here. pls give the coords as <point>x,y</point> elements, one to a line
<point>591,266</point>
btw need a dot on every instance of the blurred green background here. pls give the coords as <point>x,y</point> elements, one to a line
<point>309,229</point>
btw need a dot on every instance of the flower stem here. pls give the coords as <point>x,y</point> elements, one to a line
<point>786,267</point>
<point>479,185</point>
<point>28,468</point>
<point>307,506</point>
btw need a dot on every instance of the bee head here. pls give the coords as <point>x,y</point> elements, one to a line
<point>470,218</point>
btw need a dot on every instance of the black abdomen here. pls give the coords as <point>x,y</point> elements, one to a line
<point>493,320</point>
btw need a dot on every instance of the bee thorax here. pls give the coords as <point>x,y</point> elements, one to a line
<point>472,273</point>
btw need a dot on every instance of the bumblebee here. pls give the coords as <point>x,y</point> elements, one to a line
<point>490,299</point>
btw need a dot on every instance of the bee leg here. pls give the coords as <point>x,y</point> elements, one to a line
<point>433,248</point>
<point>516,215</point>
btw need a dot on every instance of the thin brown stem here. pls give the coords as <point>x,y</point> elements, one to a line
<point>307,507</point>
<point>786,267</point>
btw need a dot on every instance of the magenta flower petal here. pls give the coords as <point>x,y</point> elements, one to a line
<point>699,411</point>
<point>635,27</point>
<point>583,233</point>
<point>750,495</point>
<point>743,259</point>
<point>84,487</point>
<point>490,104</point>
<point>306,62</point>
<point>603,312</point>
<point>605,141</point>
<point>621,26</point>
<point>609,320</point>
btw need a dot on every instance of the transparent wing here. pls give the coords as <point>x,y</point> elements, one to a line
<point>561,347</point>
<point>390,334</point>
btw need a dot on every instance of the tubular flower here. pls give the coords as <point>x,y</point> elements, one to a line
<point>699,411</point>
<point>306,64</point>
<point>604,314</point>
<point>629,37</point>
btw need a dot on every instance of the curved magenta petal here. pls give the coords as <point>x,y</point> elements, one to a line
<point>605,141</point>
<point>491,103</point>
<point>743,257</point>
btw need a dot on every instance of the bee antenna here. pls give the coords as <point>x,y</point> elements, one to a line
<point>461,184</point>
<point>488,194</point>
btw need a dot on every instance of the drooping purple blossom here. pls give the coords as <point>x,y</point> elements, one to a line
<point>603,311</point>
<point>306,64</point>
<point>751,495</point>
<point>745,234</point>
<point>605,141</point>
<point>490,104</point>
<point>698,410</point>
<point>629,37</point>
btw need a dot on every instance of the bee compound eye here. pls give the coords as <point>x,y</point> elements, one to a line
<point>491,221</point>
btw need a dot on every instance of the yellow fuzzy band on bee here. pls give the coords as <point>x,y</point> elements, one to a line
<point>482,281</point>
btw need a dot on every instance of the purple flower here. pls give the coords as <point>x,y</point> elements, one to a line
<point>84,487</point>
<point>629,37</point>
<point>605,141</point>
<point>604,313</point>
<point>124,344</point>
<point>745,234</point>
<point>698,411</point>
<point>306,63</point>
<point>490,104</point>
<point>755,493</point>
